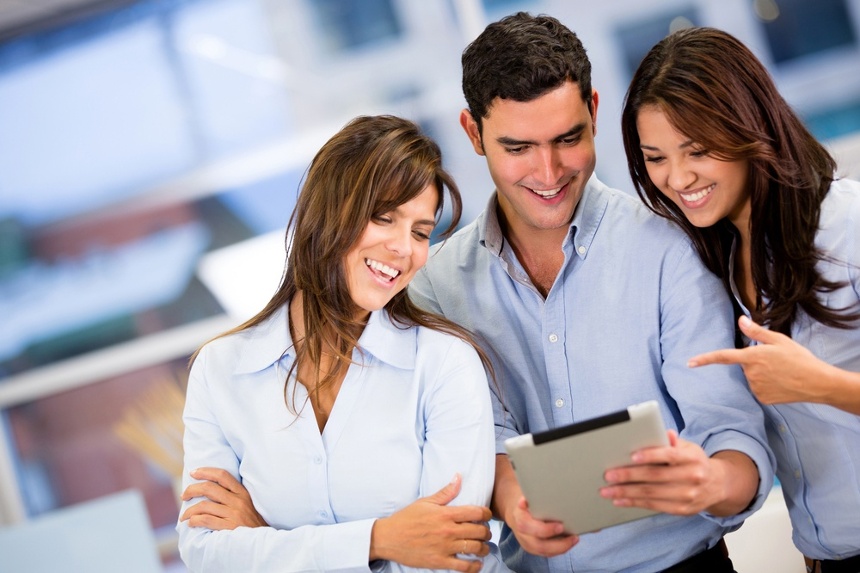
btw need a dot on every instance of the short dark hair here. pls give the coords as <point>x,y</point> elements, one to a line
<point>521,57</point>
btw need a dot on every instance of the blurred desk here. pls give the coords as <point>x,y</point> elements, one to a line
<point>105,535</point>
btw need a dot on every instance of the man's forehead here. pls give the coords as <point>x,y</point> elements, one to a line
<point>535,128</point>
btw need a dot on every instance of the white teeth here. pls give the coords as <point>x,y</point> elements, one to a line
<point>377,266</point>
<point>547,193</point>
<point>693,197</point>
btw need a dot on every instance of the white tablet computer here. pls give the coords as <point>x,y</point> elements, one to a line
<point>561,470</point>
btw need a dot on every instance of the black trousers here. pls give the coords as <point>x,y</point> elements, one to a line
<point>713,560</point>
<point>849,565</point>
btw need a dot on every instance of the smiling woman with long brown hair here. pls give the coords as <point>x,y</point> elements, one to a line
<point>713,146</point>
<point>343,427</point>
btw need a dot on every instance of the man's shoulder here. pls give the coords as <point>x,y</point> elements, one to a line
<point>627,213</point>
<point>842,199</point>
<point>463,245</point>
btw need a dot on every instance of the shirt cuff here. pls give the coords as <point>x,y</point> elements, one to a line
<point>761,457</point>
<point>347,547</point>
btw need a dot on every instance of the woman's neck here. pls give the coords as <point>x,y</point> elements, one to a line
<point>743,261</point>
<point>322,381</point>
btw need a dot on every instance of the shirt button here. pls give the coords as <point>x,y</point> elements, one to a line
<point>323,514</point>
<point>559,403</point>
<point>581,250</point>
<point>318,460</point>
<point>553,338</point>
<point>797,474</point>
<point>782,428</point>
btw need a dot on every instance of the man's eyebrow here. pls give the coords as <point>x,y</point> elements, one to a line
<point>572,132</point>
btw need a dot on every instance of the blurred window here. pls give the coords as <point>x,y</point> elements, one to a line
<point>637,37</point>
<point>798,28</point>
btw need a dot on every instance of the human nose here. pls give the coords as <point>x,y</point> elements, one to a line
<point>549,168</point>
<point>400,240</point>
<point>680,176</point>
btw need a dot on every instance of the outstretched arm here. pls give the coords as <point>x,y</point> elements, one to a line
<point>780,370</point>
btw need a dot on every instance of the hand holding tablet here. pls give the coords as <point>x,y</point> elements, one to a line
<point>561,471</point>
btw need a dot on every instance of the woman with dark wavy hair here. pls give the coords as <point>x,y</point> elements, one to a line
<point>713,146</point>
<point>342,428</point>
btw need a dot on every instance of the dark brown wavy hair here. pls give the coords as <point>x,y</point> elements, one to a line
<point>521,57</point>
<point>369,168</point>
<point>715,91</point>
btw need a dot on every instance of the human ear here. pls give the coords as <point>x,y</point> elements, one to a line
<point>594,102</point>
<point>470,126</point>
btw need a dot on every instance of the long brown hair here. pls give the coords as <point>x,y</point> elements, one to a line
<point>714,90</point>
<point>370,167</point>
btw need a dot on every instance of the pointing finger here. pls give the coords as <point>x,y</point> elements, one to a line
<point>725,356</point>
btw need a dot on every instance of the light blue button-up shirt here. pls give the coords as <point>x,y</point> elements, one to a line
<point>631,304</point>
<point>414,410</point>
<point>817,446</point>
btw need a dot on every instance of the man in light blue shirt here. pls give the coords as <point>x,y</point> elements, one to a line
<point>589,303</point>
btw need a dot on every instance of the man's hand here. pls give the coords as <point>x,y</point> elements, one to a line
<point>544,538</point>
<point>228,504</point>
<point>681,479</point>
<point>430,534</point>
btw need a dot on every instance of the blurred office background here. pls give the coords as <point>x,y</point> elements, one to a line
<point>151,152</point>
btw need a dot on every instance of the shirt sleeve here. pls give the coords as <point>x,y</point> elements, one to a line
<point>342,547</point>
<point>718,410</point>
<point>459,431</point>
<point>422,293</point>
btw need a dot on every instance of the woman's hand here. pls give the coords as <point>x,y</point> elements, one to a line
<point>430,534</point>
<point>779,371</point>
<point>228,504</point>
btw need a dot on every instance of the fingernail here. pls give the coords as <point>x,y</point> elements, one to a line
<point>610,476</point>
<point>745,320</point>
<point>636,457</point>
<point>692,364</point>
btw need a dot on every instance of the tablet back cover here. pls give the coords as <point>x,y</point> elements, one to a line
<point>561,478</point>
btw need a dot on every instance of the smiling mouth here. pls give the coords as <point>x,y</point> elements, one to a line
<point>383,269</point>
<point>698,195</point>
<point>548,193</point>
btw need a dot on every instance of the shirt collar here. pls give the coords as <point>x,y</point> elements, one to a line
<point>588,215</point>
<point>586,220</point>
<point>270,341</point>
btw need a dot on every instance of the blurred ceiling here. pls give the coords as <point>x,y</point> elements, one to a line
<point>20,17</point>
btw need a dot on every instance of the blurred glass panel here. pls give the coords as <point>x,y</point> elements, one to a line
<point>347,25</point>
<point>100,117</point>
<point>798,28</point>
<point>109,436</point>
<point>636,38</point>
<point>835,122</point>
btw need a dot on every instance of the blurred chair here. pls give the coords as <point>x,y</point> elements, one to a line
<point>110,534</point>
